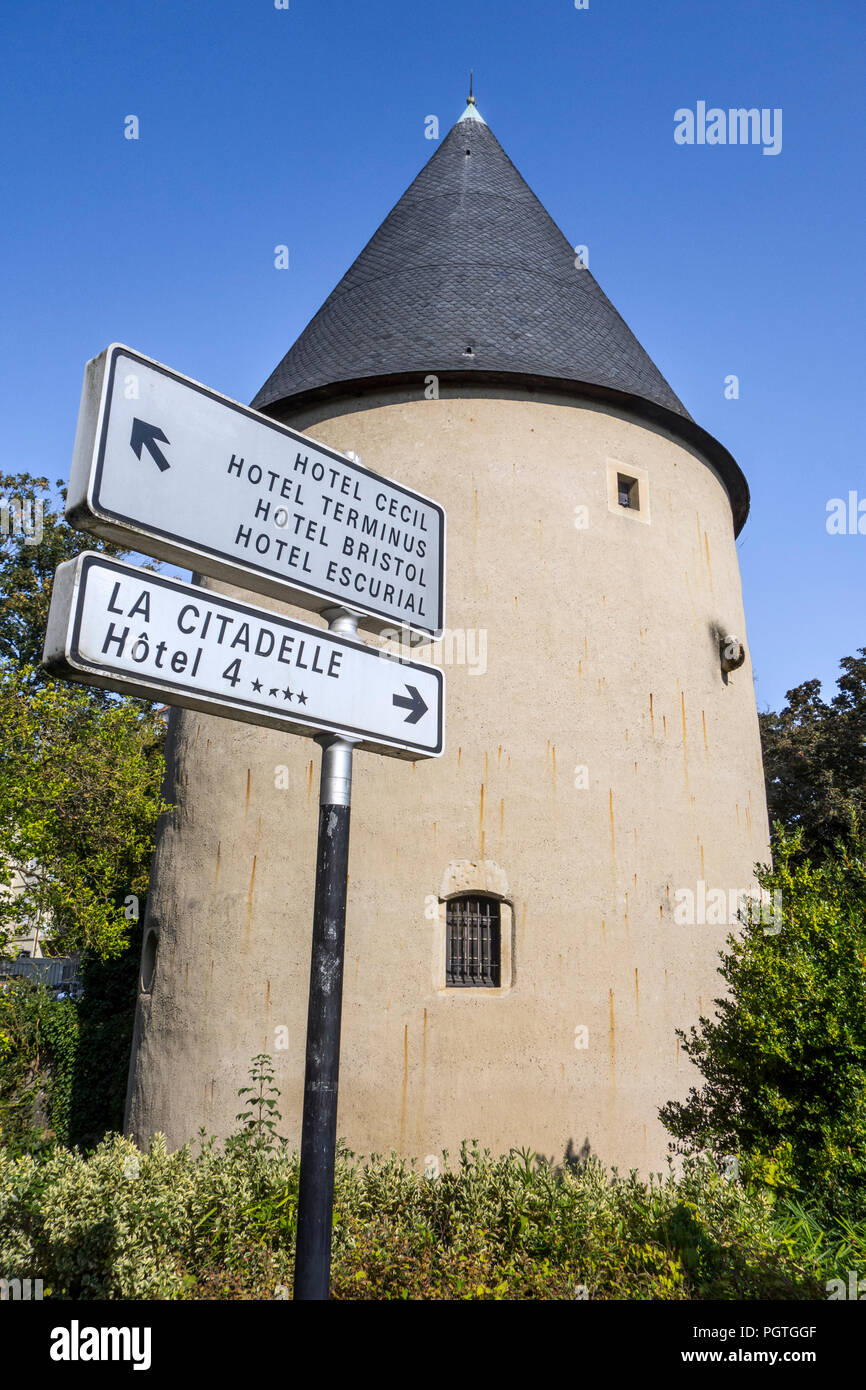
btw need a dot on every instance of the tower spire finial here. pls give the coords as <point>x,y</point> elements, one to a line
<point>471,99</point>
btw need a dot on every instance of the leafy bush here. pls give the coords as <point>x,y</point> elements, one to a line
<point>122,1224</point>
<point>64,1063</point>
<point>784,1061</point>
<point>38,1037</point>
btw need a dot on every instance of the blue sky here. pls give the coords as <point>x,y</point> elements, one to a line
<point>303,126</point>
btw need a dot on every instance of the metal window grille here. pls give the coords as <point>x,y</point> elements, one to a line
<point>473,943</point>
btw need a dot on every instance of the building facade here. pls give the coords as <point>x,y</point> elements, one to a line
<point>519,944</point>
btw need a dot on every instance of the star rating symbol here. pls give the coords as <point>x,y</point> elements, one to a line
<point>287,694</point>
<point>302,699</point>
<point>273,691</point>
<point>257,685</point>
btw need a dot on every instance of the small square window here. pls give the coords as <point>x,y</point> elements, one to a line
<point>473,943</point>
<point>628,492</point>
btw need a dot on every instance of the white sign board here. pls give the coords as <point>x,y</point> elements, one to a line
<point>114,625</point>
<point>165,466</point>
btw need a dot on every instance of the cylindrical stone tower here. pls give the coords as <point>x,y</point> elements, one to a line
<point>520,945</point>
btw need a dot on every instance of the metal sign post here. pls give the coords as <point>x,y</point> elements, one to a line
<point>321,1076</point>
<point>167,467</point>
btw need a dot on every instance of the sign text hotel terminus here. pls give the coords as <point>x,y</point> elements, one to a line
<point>167,466</point>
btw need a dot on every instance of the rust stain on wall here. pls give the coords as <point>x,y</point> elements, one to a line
<point>685,740</point>
<point>612,1038</point>
<point>249,920</point>
<point>612,838</point>
<point>405,1087</point>
<point>707,553</point>
<point>422,1098</point>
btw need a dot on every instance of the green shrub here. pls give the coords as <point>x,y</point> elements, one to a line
<point>122,1224</point>
<point>64,1063</point>
<point>784,1060</point>
<point>221,1223</point>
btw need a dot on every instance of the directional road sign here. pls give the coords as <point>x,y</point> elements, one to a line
<point>114,625</point>
<point>170,468</point>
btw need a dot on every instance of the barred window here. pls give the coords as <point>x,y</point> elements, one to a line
<point>472,943</point>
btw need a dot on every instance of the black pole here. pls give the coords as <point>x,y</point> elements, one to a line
<point>321,1079</point>
<point>319,1133</point>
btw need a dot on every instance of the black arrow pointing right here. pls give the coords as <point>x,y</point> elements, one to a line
<point>415,704</point>
<point>147,435</point>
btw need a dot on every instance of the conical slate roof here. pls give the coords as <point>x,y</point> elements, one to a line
<point>469,277</point>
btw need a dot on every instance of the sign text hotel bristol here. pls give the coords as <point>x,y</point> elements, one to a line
<point>164,465</point>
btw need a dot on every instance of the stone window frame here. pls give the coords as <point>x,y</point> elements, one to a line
<point>465,878</point>
<point>641,512</point>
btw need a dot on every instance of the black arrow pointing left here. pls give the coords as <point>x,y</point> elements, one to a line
<point>147,435</point>
<point>415,704</point>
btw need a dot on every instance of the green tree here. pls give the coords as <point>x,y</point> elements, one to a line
<point>815,758</point>
<point>784,1060</point>
<point>29,555</point>
<point>80,769</point>
<point>80,793</point>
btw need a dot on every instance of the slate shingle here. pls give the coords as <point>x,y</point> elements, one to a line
<point>469,275</point>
